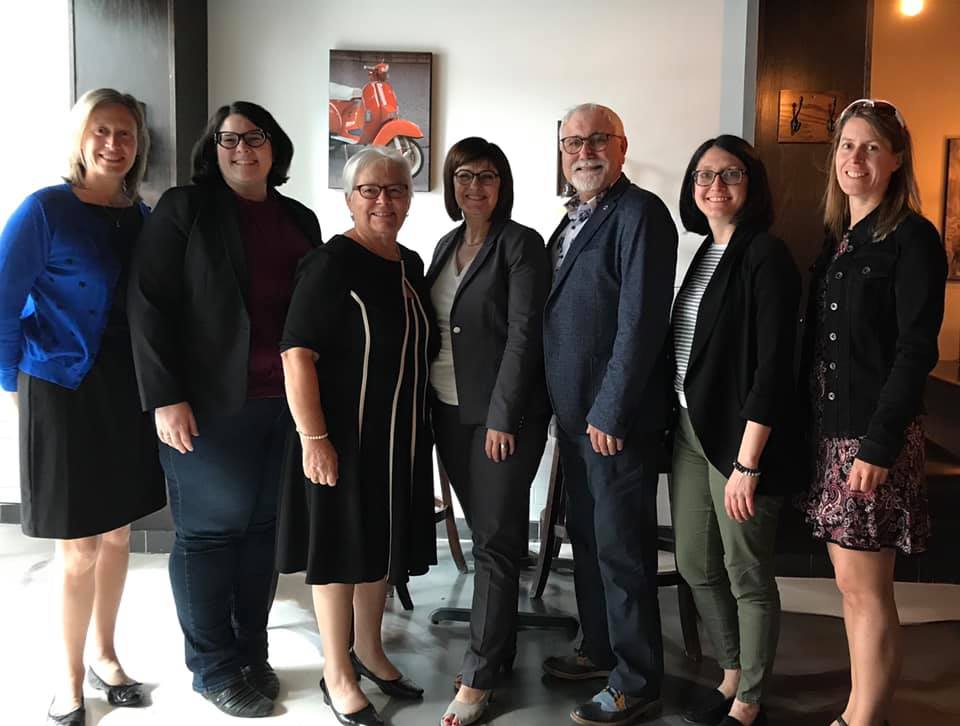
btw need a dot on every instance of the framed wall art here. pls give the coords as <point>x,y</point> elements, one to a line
<point>951,210</point>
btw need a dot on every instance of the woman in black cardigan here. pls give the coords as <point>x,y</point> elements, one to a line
<point>489,279</point>
<point>733,333</point>
<point>875,308</point>
<point>209,290</point>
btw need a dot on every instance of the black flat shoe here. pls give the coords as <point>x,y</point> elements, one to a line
<point>241,700</point>
<point>77,717</point>
<point>709,710</point>
<point>262,677</point>
<point>760,720</point>
<point>397,688</point>
<point>366,716</point>
<point>126,694</point>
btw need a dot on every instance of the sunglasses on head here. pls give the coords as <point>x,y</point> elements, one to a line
<point>877,106</point>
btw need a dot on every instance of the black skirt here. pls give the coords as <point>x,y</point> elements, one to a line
<point>88,458</point>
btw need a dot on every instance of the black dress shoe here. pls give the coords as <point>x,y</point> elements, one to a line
<point>126,694</point>
<point>592,713</point>
<point>262,677</point>
<point>242,700</point>
<point>709,710</point>
<point>77,717</point>
<point>366,716</point>
<point>760,720</point>
<point>397,688</point>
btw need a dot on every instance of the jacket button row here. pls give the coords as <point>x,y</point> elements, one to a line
<point>831,395</point>
<point>832,336</point>
<point>456,328</point>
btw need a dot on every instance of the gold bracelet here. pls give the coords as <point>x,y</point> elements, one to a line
<point>308,437</point>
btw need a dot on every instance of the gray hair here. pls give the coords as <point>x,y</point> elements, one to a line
<point>370,156</point>
<point>80,115</point>
<point>607,112</point>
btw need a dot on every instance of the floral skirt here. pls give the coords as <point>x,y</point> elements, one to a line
<point>894,515</point>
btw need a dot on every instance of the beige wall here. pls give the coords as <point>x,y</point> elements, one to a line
<point>915,64</point>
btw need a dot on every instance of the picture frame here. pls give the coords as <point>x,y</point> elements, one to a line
<point>951,209</point>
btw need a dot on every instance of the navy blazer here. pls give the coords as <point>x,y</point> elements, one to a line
<point>607,317</point>
<point>496,320</point>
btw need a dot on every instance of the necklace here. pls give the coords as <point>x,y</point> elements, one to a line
<point>112,214</point>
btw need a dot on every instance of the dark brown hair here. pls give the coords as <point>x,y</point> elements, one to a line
<point>466,151</point>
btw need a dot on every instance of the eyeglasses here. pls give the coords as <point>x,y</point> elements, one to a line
<point>231,139</point>
<point>878,106</point>
<point>731,177</point>
<point>597,142</point>
<point>373,191</point>
<point>465,178</point>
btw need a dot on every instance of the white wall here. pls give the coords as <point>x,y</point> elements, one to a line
<point>505,70</point>
<point>677,71</point>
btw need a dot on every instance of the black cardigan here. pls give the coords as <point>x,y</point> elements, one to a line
<point>884,307</point>
<point>187,299</point>
<point>742,357</point>
<point>497,325</point>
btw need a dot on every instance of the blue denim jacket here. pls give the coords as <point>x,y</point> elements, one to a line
<point>57,278</point>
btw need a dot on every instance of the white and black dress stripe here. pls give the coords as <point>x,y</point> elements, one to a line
<point>685,311</point>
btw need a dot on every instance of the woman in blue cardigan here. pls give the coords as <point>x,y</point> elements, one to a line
<point>88,456</point>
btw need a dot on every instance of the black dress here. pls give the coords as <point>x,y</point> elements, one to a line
<point>369,321</point>
<point>88,457</point>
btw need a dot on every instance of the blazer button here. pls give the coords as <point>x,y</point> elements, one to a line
<point>866,270</point>
<point>839,275</point>
<point>456,328</point>
<point>832,336</point>
<point>832,396</point>
<point>833,365</point>
<point>833,306</point>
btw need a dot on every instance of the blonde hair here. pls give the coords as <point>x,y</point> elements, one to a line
<point>80,115</point>
<point>902,196</point>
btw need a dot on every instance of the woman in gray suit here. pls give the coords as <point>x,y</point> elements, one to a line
<point>489,279</point>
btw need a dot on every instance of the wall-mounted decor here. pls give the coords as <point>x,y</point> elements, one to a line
<point>807,117</point>
<point>380,98</point>
<point>951,209</point>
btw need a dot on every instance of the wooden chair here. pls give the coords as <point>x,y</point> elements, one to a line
<point>444,513</point>
<point>553,533</point>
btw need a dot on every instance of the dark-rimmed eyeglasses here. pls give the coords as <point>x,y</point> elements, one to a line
<point>373,191</point>
<point>597,142</point>
<point>877,106</point>
<point>465,178</point>
<point>731,177</point>
<point>231,139</point>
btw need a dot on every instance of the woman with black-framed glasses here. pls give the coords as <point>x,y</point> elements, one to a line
<point>733,325</point>
<point>875,307</point>
<point>211,281</point>
<point>357,507</point>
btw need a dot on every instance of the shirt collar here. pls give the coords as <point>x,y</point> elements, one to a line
<point>574,205</point>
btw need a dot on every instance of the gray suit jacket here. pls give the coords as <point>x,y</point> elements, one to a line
<point>607,317</point>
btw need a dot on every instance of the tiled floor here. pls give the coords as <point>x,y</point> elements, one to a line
<point>808,687</point>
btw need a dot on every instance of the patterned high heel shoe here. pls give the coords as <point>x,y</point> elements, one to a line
<point>464,714</point>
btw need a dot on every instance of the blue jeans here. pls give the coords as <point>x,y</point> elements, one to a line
<point>223,498</point>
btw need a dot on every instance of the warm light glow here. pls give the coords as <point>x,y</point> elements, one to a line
<point>911,7</point>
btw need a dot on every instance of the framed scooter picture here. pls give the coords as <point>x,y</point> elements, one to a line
<point>380,98</point>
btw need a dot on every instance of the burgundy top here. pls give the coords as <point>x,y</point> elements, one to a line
<point>274,246</point>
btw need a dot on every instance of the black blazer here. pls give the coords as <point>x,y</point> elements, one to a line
<point>496,326</point>
<point>187,299</point>
<point>742,357</point>
<point>883,306</point>
<point>607,316</point>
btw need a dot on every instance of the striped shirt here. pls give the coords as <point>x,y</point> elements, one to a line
<point>685,311</point>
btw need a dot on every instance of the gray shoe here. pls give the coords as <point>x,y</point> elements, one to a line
<point>575,667</point>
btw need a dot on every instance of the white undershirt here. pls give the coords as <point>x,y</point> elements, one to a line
<point>443,378</point>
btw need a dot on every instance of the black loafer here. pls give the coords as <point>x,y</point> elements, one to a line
<point>397,688</point>
<point>366,716</point>
<point>709,710</point>
<point>242,700</point>
<point>262,677</point>
<point>126,694</point>
<point>77,717</point>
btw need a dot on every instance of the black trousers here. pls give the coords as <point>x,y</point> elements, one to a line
<point>495,499</point>
<point>612,525</point>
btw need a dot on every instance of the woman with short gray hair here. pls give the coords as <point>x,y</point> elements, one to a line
<point>357,506</point>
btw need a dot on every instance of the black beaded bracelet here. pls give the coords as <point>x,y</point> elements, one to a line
<point>745,470</point>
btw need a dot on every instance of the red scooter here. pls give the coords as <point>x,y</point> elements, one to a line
<point>369,116</point>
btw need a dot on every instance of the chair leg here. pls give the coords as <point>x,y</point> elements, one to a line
<point>688,622</point>
<point>453,535</point>
<point>404,594</point>
<point>549,542</point>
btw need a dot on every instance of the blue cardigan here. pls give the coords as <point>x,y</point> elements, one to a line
<point>57,279</point>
